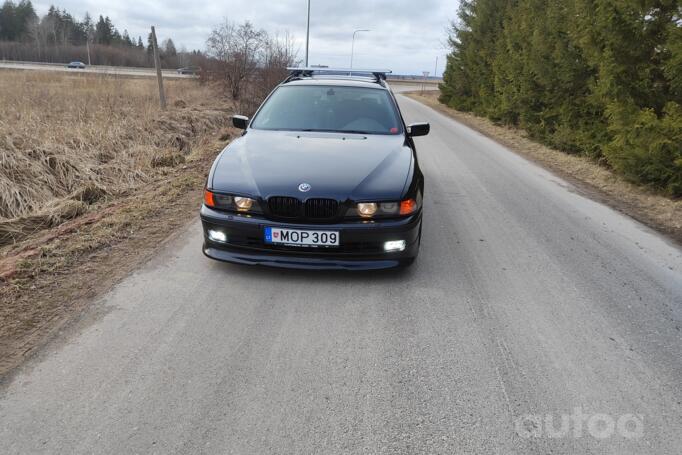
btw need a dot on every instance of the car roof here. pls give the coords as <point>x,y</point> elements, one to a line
<point>338,81</point>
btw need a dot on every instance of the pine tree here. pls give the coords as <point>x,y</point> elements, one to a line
<point>126,39</point>
<point>169,48</point>
<point>150,47</point>
<point>25,16</point>
<point>597,77</point>
<point>8,21</point>
<point>470,84</point>
<point>104,31</point>
<point>672,67</point>
<point>88,27</point>
<point>111,32</point>
<point>630,44</point>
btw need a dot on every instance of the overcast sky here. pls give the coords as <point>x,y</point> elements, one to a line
<point>406,36</point>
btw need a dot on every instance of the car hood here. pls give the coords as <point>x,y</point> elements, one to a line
<point>339,166</point>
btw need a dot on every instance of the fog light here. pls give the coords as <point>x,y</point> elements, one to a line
<point>394,245</point>
<point>217,236</point>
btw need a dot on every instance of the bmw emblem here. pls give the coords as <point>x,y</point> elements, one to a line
<point>304,187</point>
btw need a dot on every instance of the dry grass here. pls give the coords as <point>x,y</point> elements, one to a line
<point>48,278</point>
<point>70,140</point>
<point>91,159</point>
<point>653,209</point>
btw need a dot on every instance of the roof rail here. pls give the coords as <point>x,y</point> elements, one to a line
<point>297,73</point>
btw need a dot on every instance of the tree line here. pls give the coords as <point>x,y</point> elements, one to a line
<point>58,37</point>
<point>246,61</point>
<point>601,78</point>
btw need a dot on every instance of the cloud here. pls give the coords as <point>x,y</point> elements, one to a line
<point>406,37</point>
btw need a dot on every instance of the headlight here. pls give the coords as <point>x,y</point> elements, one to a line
<point>243,203</point>
<point>367,209</point>
<point>389,208</point>
<point>222,200</point>
<point>385,209</point>
<point>230,202</point>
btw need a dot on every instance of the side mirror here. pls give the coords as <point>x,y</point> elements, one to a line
<point>240,121</point>
<point>418,129</point>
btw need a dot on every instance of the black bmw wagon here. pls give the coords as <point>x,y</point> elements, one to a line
<point>324,176</point>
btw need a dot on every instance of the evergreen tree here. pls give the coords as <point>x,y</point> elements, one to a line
<point>25,16</point>
<point>126,39</point>
<point>597,77</point>
<point>632,45</point>
<point>150,47</point>
<point>474,47</point>
<point>169,48</point>
<point>88,27</point>
<point>672,68</point>
<point>104,33</point>
<point>8,21</point>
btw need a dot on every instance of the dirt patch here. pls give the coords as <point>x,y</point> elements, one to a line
<point>655,210</point>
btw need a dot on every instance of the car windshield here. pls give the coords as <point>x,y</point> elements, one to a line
<point>329,108</point>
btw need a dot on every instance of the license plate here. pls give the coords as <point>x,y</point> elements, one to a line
<point>300,237</point>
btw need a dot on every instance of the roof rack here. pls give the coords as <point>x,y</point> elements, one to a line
<point>298,73</point>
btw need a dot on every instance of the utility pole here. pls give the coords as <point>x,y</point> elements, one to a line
<point>157,63</point>
<point>435,70</point>
<point>307,37</point>
<point>352,47</point>
<point>426,75</point>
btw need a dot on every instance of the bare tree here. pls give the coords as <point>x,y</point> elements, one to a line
<point>219,42</point>
<point>237,48</point>
<point>279,53</point>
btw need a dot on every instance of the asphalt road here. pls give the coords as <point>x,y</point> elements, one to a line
<point>93,69</point>
<point>530,307</point>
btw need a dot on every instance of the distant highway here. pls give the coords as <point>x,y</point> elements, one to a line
<point>150,72</point>
<point>409,84</point>
<point>95,69</point>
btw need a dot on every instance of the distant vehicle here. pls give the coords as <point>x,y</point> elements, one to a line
<point>193,70</point>
<point>76,65</point>
<point>325,176</point>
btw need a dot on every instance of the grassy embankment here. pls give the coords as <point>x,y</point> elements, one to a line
<point>93,176</point>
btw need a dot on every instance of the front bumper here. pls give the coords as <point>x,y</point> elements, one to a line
<point>362,243</point>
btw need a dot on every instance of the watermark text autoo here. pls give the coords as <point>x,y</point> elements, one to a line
<point>579,424</point>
